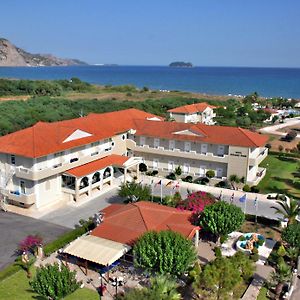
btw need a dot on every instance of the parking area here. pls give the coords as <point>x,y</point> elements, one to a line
<point>69,215</point>
<point>15,227</point>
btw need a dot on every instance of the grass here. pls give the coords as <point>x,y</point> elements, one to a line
<point>16,287</point>
<point>268,231</point>
<point>282,176</point>
<point>263,294</point>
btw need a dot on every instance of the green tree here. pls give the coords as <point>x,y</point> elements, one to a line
<point>218,280</point>
<point>280,277</point>
<point>165,252</point>
<point>143,167</point>
<point>221,218</point>
<point>134,191</point>
<point>234,179</point>
<point>54,281</point>
<point>291,235</point>
<point>288,209</point>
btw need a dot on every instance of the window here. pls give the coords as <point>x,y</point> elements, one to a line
<point>22,187</point>
<point>187,146</point>
<point>94,153</point>
<point>112,144</point>
<point>95,144</point>
<point>186,168</point>
<point>171,166</point>
<point>73,159</point>
<point>13,159</point>
<point>156,143</point>
<point>203,148</point>
<point>171,145</point>
<point>155,164</point>
<point>58,154</point>
<point>221,150</point>
<point>142,140</point>
<point>124,137</point>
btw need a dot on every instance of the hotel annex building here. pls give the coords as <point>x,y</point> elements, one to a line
<point>76,159</point>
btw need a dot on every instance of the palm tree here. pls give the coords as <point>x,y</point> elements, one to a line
<point>280,276</point>
<point>289,210</point>
<point>164,288</point>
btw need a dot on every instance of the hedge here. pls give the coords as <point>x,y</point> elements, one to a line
<point>285,154</point>
<point>63,240</point>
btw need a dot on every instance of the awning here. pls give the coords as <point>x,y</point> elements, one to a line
<point>99,164</point>
<point>96,249</point>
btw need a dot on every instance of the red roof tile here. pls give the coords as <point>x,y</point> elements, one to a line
<point>110,160</point>
<point>192,108</point>
<point>223,135</point>
<point>46,138</point>
<point>126,223</point>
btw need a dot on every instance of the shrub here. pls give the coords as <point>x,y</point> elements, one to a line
<point>221,218</point>
<point>204,180</point>
<point>291,135</point>
<point>135,191</point>
<point>165,252</point>
<point>223,238</point>
<point>143,167</point>
<point>29,244</point>
<point>269,146</point>
<point>210,174</point>
<point>218,252</point>
<point>223,184</point>
<point>254,257</point>
<point>154,172</point>
<point>171,176</point>
<point>291,235</point>
<point>254,189</point>
<point>188,179</point>
<point>54,281</point>
<point>196,202</point>
<point>63,240</point>
<point>178,171</point>
<point>242,238</point>
<point>246,188</point>
<point>280,148</point>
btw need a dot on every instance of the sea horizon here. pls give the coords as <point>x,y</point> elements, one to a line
<point>214,80</point>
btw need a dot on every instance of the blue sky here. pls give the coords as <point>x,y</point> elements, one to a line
<point>157,32</point>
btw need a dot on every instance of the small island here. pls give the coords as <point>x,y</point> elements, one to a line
<point>181,64</point>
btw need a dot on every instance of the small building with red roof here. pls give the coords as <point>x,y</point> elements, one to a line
<point>194,113</point>
<point>125,223</point>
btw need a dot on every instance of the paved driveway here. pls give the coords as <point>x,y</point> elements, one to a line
<point>15,227</point>
<point>69,215</point>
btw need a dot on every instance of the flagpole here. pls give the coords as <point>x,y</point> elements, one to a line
<point>161,192</point>
<point>256,208</point>
<point>152,190</point>
<point>245,205</point>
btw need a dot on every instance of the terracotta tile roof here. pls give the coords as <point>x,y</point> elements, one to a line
<point>126,223</point>
<point>192,108</point>
<point>46,138</point>
<point>110,160</point>
<point>223,135</point>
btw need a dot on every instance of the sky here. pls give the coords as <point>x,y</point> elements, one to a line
<point>262,33</point>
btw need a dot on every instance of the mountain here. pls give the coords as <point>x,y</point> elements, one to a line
<point>180,64</point>
<point>12,56</point>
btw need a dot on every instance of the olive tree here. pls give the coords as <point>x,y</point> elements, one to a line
<point>165,252</point>
<point>134,191</point>
<point>221,218</point>
<point>54,282</point>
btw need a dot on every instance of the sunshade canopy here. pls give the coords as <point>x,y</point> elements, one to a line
<point>96,249</point>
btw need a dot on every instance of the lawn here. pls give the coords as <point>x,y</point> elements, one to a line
<point>16,287</point>
<point>282,176</point>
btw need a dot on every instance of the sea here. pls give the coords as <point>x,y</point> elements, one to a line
<point>267,82</point>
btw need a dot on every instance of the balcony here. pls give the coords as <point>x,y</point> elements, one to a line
<point>25,199</point>
<point>177,153</point>
<point>58,167</point>
<point>259,158</point>
<point>261,172</point>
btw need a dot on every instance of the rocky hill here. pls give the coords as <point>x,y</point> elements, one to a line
<point>10,55</point>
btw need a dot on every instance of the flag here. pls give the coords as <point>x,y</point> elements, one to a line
<point>231,198</point>
<point>243,199</point>
<point>158,183</point>
<point>141,181</point>
<point>152,181</point>
<point>255,202</point>
<point>220,196</point>
<point>169,183</point>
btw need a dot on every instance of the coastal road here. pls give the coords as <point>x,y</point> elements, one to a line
<point>274,128</point>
